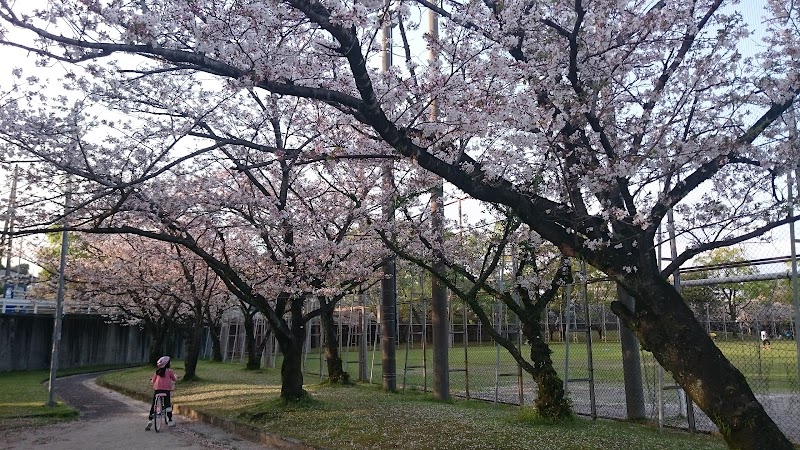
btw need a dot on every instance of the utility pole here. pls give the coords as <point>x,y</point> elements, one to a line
<point>793,182</point>
<point>683,397</point>
<point>439,316</point>
<point>51,399</point>
<point>389,280</point>
<point>631,366</point>
<point>9,229</point>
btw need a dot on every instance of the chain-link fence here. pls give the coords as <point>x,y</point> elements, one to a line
<point>584,337</point>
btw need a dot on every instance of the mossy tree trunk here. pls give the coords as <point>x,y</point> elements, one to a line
<point>666,326</point>
<point>527,305</point>
<point>330,342</point>
<point>551,401</point>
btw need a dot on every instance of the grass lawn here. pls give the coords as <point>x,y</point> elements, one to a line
<point>364,417</point>
<point>24,395</point>
<point>23,401</point>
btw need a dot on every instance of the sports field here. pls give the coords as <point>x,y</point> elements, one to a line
<point>492,374</point>
<point>773,370</point>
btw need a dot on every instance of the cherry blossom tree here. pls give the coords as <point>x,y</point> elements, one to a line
<point>131,286</point>
<point>472,261</point>
<point>202,291</point>
<point>271,261</point>
<point>590,120</point>
<point>285,229</point>
<point>145,282</point>
<point>282,213</point>
<point>111,278</point>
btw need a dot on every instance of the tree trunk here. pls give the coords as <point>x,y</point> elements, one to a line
<point>551,402</point>
<point>732,314</point>
<point>156,350</point>
<point>291,345</point>
<point>194,338</point>
<point>214,323</point>
<point>333,358</point>
<point>291,369</point>
<point>665,326</point>
<point>215,330</point>
<point>169,341</point>
<point>261,349</point>
<point>253,356</point>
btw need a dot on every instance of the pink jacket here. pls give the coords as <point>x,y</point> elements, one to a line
<point>165,383</point>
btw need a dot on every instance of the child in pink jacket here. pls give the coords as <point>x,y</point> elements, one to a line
<point>163,382</point>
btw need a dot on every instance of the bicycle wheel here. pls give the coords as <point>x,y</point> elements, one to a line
<point>164,413</point>
<point>158,412</point>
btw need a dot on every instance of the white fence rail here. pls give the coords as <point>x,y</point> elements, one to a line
<point>37,306</point>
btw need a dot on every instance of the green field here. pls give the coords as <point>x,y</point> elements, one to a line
<point>767,371</point>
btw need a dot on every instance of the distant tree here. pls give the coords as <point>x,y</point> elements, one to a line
<point>734,297</point>
<point>48,258</point>
<point>251,344</point>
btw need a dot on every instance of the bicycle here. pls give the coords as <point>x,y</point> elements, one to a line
<point>159,411</point>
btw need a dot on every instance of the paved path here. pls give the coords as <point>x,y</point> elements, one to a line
<point>110,420</point>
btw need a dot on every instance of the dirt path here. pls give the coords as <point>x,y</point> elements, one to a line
<point>111,420</point>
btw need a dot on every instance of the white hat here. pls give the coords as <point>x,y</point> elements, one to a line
<point>163,361</point>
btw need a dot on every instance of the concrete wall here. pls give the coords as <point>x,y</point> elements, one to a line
<point>26,342</point>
